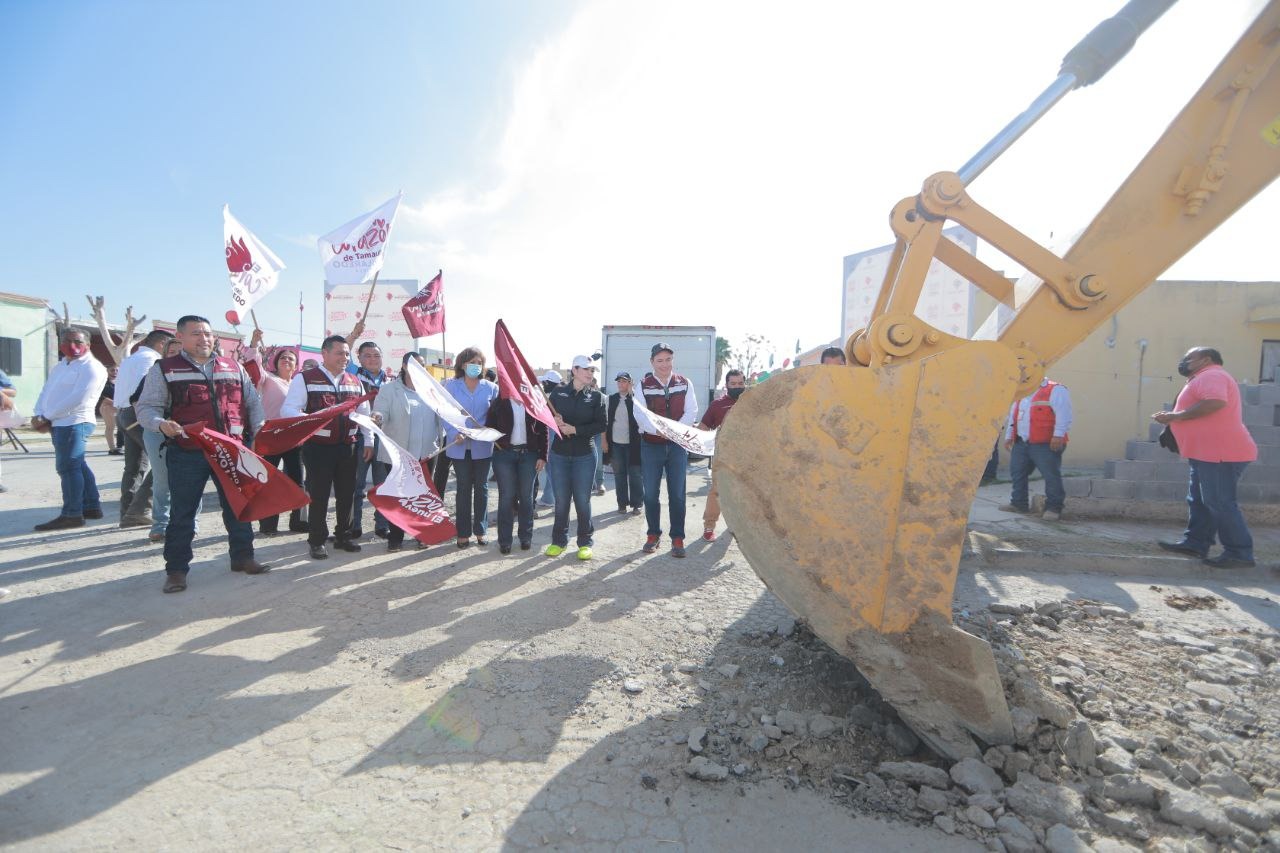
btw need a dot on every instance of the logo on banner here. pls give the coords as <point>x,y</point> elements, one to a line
<point>251,466</point>
<point>364,248</point>
<point>239,258</point>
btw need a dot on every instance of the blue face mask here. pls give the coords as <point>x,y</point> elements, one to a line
<point>474,371</point>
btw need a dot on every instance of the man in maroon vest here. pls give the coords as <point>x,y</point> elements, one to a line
<point>667,393</point>
<point>330,454</point>
<point>196,385</point>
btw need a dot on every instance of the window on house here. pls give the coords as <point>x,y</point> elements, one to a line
<point>11,356</point>
<point>1270,370</point>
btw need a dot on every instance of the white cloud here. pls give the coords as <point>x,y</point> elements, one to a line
<point>711,163</point>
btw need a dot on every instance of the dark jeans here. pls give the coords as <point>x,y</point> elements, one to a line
<point>572,476</point>
<point>362,486</point>
<point>189,472</point>
<point>79,487</point>
<point>330,468</point>
<point>135,481</point>
<point>471,507</point>
<point>292,460</point>
<point>516,470</point>
<point>1022,459</point>
<point>656,460</point>
<point>628,481</point>
<point>440,473</point>
<point>1213,511</point>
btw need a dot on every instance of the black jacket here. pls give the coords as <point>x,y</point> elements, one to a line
<point>633,448</point>
<point>583,410</point>
<point>501,418</point>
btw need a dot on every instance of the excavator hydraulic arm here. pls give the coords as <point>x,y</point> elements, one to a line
<point>856,517</point>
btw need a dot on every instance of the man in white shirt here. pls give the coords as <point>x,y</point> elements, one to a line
<point>667,393</point>
<point>1036,438</point>
<point>66,408</point>
<point>136,480</point>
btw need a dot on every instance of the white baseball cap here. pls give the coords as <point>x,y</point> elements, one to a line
<point>583,361</point>
<point>552,376</point>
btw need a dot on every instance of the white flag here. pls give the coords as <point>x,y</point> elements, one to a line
<point>443,404</point>
<point>699,442</point>
<point>252,266</point>
<point>353,253</point>
<point>405,479</point>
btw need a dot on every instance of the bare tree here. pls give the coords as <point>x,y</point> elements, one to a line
<point>119,351</point>
<point>752,354</point>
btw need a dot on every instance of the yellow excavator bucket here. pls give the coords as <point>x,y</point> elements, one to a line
<point>848,488</point>
<point>855,519</point>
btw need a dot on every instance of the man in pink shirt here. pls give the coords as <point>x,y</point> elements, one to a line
<point>1212,437</point>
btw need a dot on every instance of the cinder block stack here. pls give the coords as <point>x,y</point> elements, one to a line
<point>1148,472</point>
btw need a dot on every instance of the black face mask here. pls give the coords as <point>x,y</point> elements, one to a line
<point>1184,367</point>
<point>735,393</point>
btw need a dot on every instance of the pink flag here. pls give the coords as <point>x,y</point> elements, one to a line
<point>516,379</point>
<point>254,489</point>
<point>425,312</point>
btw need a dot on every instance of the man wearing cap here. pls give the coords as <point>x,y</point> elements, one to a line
<point>665,392</point>
<point>621,445</point>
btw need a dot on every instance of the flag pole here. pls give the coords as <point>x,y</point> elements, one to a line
<point>253,314</point>
<point>369,298</point>
<point>299,327</point>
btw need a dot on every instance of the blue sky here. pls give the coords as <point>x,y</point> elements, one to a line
<point>568,163</point>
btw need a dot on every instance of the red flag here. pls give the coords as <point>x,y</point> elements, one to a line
<point>279,435</point>
<point>253,488</point>
<point>425,312</point>
<point>422,516</point>
<point>516,379</point>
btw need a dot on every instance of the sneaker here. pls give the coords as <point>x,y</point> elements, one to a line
<point>598,491</point>
<point>650,544</point>
<point>709,535</point>
<point>1183,548</point>
<point>1222,561</point>
<point>584,553</point>
<point>554,550</point>
<point>635,510</point>
<point>155,537</point>
<point>1051,515</point>
<point>1012,508</point>
<point>677,547</point>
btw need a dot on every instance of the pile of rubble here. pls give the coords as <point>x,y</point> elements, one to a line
<point>1128,736</point>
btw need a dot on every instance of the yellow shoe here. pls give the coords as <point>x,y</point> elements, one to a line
<point>584,553</point>
<point>554,551</point>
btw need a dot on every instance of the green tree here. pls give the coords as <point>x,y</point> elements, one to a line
<point>723,353</point>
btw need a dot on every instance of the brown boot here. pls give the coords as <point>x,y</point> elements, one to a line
<point>249,566</point>
<point>175,581</point>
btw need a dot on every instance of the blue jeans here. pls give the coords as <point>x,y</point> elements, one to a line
<point>362,486</point>
<point>572,476</point>
<point>516,470</point>
<point>628,482</point>
<point>1213,511</point>
<point>598,453</point>
<point>656,460</point>
<point>79,487</point>
<point>189,472</point>
<point>1022,459</point>
<point>471,507</point>
<point>547,487</point>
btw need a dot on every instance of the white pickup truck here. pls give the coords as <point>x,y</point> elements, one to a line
<point>628,347</point>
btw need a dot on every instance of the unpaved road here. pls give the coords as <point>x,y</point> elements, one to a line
<point>421,700</point>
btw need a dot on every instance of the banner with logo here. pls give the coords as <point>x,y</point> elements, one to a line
<point>440,401</point>
<point>254,269</point>
<point>424,313</point>
<point>516,378</point>
<point>407,498</point>
<point>280,435</point>
<point>254,489</point>
<point>353,253</point>
<point>345,305</point>
<point>699,442</point>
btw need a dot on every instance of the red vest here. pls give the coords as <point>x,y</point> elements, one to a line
<point>1041,415</point>
<point>217,401</point>
<point>666,401</point>
<point>321,394</point>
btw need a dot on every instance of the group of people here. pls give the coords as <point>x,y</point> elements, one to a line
<point>180,378</point>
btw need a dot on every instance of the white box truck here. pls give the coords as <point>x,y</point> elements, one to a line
<point>627,348</point>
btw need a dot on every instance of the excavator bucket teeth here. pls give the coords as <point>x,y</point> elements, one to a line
<point>848,489</point>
